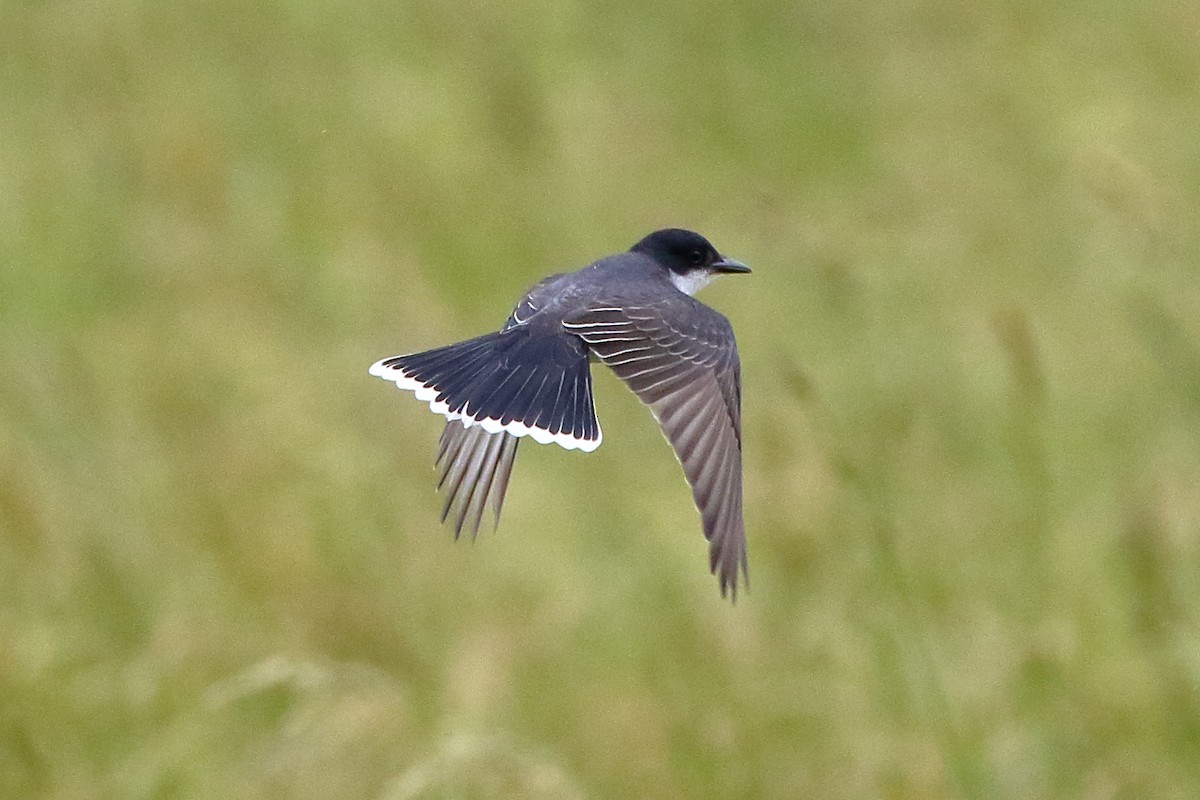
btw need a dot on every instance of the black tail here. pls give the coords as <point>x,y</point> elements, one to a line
<point>515,381</point>
<point>493,390</point>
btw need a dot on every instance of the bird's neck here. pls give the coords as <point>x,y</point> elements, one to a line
<point>692,282</point>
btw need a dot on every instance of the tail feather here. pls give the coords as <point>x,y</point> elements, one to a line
<point>493,390</point>
<point>515,381</point>
<point>525,405</point>
<point>551,414</point>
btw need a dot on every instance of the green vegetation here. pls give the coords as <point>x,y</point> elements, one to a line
<point>971,357</point>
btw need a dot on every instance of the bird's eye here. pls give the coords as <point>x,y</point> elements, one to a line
<point>696,256</point>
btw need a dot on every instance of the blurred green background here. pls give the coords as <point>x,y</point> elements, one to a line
<point>971,358</point>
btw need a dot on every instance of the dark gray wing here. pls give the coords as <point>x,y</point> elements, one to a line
<point>475,465</point>
<point>680,358</point>
<point>533,301</point>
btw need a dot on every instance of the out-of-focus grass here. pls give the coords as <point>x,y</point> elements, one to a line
<point>970,365</point>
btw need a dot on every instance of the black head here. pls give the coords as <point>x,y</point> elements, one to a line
<point>683,252</point>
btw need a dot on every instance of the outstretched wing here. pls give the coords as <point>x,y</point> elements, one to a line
<point>474,465</point>
<point>681,360</point>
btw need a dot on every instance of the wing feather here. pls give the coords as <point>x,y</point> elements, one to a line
<point>475,465</point>
<point>680,358</point>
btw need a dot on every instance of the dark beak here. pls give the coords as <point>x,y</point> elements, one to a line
<point>729,265</point>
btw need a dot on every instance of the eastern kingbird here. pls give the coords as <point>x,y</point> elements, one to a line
<point>633,311</point>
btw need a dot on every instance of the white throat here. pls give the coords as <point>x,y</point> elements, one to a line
<point>692,282</point>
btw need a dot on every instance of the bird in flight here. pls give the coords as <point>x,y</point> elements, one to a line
<point>635,312</point>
